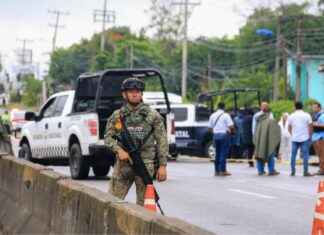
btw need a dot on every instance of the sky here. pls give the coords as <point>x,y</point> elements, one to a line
<point>30,19</point>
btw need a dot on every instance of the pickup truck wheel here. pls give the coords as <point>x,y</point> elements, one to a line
<point>210,150</point>
<point>79,166</point>
<point>100,171</point>
<point>25,152</point>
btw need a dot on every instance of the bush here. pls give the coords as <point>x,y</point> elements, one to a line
<point>282,106</point>
<point>308,105</point>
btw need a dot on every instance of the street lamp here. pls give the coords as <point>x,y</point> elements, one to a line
<point>264,32</point>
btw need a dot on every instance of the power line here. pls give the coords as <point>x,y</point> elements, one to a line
<point>232,44</point>
<point>238,50</point>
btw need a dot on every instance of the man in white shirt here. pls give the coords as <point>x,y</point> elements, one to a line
<point>221,125</point>
<point>300,128</point>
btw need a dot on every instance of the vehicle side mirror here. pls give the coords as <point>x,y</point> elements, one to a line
<point>30,116</point>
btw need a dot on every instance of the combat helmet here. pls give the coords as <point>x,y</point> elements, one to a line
<point>133,83</point>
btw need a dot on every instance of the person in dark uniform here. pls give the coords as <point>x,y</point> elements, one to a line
<point>248,147</point>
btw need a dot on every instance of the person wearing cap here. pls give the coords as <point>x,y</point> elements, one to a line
<point>147,131</point>
<point>301,128</point>
<point>266,138</point>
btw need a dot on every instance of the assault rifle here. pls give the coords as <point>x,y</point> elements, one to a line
<point>138,165</point>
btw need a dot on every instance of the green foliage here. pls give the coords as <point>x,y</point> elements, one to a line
<point>100,61</point>
<point>282,106</point>
<point>67,64</point>
<point>15,97</point>
<point>33,91</point>
<point>247,60</point>
<point>307,106</point>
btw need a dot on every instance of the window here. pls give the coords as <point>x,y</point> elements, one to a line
<point>48,108</point>
<point>203,113</point>
<point>59,105</point>
<point>180,114</point>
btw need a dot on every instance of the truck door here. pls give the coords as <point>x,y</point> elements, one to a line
<point>184,126</point>
<point>40,130</point>
<point>56,128</point>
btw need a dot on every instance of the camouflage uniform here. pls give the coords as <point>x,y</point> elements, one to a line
<point>139,123</point>
<point>5,142</point>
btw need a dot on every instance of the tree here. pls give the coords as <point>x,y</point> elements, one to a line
<point>67,64</point>
<point>33,91</point>
<point>247,60</point>
<point>165,21</point>
<point>102,61</point>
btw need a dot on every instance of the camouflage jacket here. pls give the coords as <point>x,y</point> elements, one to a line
<point>139,123</point>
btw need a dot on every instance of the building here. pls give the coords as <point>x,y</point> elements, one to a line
<point>312,80</point>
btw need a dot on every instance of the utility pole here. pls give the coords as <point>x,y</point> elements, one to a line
<point>284,67</point>
<point>184,53</point>
<point>56,25</point>
<point>277,64</point>
<point>209,72</point>
<point>131,59</point>
<point>185,47</point>
<point>30,52</point>
<point>105,17</point>
<point>24,50</point>
<point>298,59</point>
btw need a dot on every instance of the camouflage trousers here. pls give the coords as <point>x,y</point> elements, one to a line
<point>123,177</point>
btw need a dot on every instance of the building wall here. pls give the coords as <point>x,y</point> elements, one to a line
<point>316,80</point>
<point>312,81</point>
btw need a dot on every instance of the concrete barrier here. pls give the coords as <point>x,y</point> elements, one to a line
<point>36,200</point>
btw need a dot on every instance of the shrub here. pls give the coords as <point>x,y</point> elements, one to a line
<point>282,106</point>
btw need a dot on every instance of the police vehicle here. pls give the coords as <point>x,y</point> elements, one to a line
<point>239,103</point>
<point>71,124</point>
<point>191,120</point>
<point>191,129</point>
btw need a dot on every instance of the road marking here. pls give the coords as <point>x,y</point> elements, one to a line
<point>252,194</point>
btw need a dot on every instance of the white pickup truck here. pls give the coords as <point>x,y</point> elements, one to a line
<point>71,124</point>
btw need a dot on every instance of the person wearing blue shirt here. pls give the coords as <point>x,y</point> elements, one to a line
<point>318,136</point>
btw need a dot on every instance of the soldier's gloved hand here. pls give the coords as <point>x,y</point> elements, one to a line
<point>161,174</point>
<point>124,156</point>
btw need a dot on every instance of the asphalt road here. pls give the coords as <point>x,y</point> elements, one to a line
<point>243,203</point>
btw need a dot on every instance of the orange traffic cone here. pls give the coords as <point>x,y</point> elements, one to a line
<point>149,202</point>
<point>318,224</point>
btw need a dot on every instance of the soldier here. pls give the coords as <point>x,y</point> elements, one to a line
<point>6,121</point>
<point>5,143</point>
<point>146,127</point>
